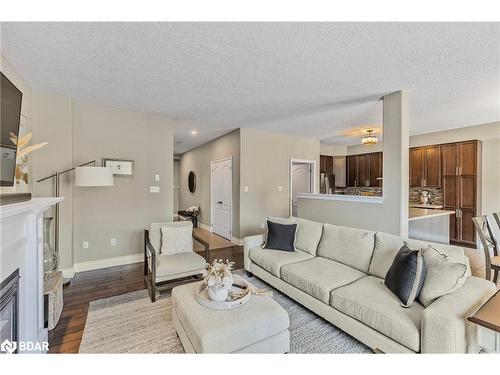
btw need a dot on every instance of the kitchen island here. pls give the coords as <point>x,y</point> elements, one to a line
<point>429,225</point>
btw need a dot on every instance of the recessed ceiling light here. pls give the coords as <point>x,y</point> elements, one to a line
<point>194,132</point>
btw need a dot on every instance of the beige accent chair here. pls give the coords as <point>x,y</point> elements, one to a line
<point>160,268</point>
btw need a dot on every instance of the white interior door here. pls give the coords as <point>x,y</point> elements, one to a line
<point>222,197</point>
<point>301,182</point>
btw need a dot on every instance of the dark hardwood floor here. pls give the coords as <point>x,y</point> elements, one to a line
<point>107,282</point>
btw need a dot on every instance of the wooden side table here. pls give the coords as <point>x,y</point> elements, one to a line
<point>488,320</point>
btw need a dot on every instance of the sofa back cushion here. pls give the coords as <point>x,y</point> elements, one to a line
<point>387,246</point>
<point>308,236</point>
<point>349,246</point>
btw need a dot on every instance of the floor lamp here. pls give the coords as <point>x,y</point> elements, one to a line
<point>85,175</point>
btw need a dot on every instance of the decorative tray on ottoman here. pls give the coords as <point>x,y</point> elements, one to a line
<point>238,295</point>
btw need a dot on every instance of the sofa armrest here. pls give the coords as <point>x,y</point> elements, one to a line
<point>445,328</point>
<point>248,243</point>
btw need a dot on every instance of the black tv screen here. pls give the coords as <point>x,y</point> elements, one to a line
<point>10,118</point>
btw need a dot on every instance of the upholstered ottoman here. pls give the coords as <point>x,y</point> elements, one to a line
<point>259,326</point>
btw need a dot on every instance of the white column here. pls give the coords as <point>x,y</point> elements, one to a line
<point>396,157</point>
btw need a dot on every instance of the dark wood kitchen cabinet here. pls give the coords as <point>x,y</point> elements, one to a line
<point>376,169</point>
<point>459,176</point>
<point>351,170</point>
<point>325,164</point>
<point>364,170</point>
<point>425,166</point>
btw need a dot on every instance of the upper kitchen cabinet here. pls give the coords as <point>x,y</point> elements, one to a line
<point>364,170</point>
<point>325,164</point>
<point>376,169</point>
<point>459,171</point>
<point>425,166</point>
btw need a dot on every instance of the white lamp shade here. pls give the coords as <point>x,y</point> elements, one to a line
<point>93,176</point>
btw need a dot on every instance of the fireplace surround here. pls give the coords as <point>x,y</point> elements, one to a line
<point>9,308</point>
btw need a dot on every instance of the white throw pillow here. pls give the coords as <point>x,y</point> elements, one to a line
<point>176,240</point>
<point>444,276</point>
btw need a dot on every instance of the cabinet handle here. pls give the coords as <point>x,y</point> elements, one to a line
<point>459,171</point>
<point>456,171</point>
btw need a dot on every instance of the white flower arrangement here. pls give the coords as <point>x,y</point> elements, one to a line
<point>218,274</point>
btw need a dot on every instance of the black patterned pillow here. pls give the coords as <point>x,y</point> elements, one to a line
<point>406,276</point>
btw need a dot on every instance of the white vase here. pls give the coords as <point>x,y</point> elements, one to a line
<point>217,294</point>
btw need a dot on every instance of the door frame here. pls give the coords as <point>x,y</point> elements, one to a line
<point>314,183</point>
<point>212,162</point>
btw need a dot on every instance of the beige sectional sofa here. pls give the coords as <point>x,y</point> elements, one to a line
<point>337,272</point>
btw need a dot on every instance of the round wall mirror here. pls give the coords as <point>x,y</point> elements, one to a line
<point>192,181</point>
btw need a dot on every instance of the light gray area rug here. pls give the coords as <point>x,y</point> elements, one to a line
<point>130,323</point>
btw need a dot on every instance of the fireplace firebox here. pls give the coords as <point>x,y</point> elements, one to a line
<point>9,308</point>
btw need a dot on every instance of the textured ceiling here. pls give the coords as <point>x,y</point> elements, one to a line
<point>319,80</point>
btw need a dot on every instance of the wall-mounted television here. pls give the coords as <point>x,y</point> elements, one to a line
<point>10,118</point>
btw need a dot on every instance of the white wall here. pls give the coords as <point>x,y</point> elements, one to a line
<point>78,132</point>
<point>265,159</point>
<point>333,150</point>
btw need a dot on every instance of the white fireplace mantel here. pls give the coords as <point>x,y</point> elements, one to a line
<point>21,247</point>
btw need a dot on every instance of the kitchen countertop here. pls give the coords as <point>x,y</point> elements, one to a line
<point>431,206</point>
<point>424,213</point>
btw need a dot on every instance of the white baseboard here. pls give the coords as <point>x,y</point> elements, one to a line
<point>234,240</point>
<point>102,263</point>
<point>204,226</point>
<point>68,273</point>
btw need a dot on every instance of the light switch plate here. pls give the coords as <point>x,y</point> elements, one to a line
<point>85,244</point>
<point>113,242</point>
<point>154,189</point>
<point>246,189</point>
<point>280,188</point>
<point>157,177</point>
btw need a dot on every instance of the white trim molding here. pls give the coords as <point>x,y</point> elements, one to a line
<point>102,263</point>
<point>313,181</point>
<point>235,240</point>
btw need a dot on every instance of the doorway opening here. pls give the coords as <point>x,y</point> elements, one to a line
<point>302,180</point>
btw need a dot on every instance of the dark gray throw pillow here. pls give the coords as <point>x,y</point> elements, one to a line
<point>406,276</point>
<point>280,236</point>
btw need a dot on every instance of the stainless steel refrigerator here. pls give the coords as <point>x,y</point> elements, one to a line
<point>327,183</point>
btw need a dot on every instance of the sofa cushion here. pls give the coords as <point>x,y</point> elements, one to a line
<point>170,265</point>
<point>308,235</point>
<point>350,246</point>
<point>387,246</point>
<point>444,276</point>
<point>318,276</point>
<point>369,301</point>
<point>273,260</point>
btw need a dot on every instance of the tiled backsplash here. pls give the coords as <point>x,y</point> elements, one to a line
<point>361,190</point>
<point>435,195</point>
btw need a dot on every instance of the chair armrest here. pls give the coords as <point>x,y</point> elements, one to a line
<point>248,243</point>
<point>445,328</point>
<point>149,252</point>
<point>205,245</point>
